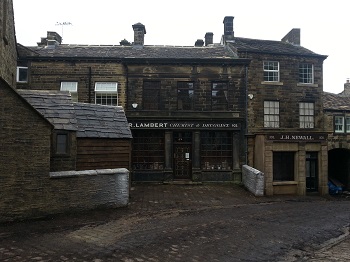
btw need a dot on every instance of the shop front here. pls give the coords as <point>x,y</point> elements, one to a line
<point>202,150</point>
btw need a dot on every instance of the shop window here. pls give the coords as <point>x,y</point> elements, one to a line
<point>271,114</point>
<point>148,150</point>
<point>306,115</point>
<point>271,71</point>
<point>216,150</point>
<point>22,74</point>
<point>72,87</point>
<point>151,95</point>
<point>106,93</point>
<point>283,166</point>
<point>306,74</point>
<point>219,96</point>
<point>185,94</point>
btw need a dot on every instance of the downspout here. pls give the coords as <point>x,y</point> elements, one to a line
<point>90,76</point>
<point>246,116</point>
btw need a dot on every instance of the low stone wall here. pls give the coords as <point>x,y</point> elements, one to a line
<point>70,191</point>
<point>253,180</point>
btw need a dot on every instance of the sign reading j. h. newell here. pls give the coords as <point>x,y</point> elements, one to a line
<point>184,125</point>
<point>298,137</point>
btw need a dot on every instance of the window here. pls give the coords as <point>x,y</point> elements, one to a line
<point>106,93</point>
<point>216,150</point>
<point>219,96</point>
<point>148,150</point>
<point>151,95</point>
<point>61,144</point>
<point>306,74</point>
<point>22,74</point>
<point>185,94</point>
<point>271,71</point>
<point>283,166</point>
<point>306,115</point>
<point>271,114</point>
<point>72,87</point>
<point>339,124</point>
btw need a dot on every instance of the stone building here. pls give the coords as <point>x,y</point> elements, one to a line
<point>198,113</point>
<point>337,123</point>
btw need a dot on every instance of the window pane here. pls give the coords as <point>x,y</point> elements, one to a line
<point>61,143</point>
<point>306,115</point>
<point>339,124</point>
<point>106,86</point>
<point>271,114</point>
<point>306,73</point>
<point>185,96</point>
<point>110,99</point>
<point>219,96</point>
<point>271,71</point>
<point>283,166</point>
<point>216,150</point>
<point>22,74</point>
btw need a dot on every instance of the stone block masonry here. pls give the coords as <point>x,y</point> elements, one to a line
<point>253,180</point>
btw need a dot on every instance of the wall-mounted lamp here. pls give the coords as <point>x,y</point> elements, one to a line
<point>134,105</point>
<point>251,96</point>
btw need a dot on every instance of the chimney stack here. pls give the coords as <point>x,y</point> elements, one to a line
<point>52,40</point>
<point>228,27</point>
<point>208,38</point>
<point>139,34</point>
<point>293,37</point>
<point>347,88</point>
<point>199,43</point>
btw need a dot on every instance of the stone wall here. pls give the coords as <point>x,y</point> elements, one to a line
<point>253,180</point>
<point>67,192</point>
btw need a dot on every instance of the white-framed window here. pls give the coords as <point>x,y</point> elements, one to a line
<point>306,115</point>
<point>72,87</point>
<point>106,93</point>
<point>306,73</point>
<point>271,114</point>
<point>22,74</point>
<point>271,71</point>
<point>342,124</point>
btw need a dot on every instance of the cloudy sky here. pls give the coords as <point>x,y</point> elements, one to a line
<point>324,24</point>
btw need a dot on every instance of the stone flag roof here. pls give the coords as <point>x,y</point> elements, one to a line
<point>335,102</point>
<point>88,120</point>
<point>55,106</point>
<point>101,121</point>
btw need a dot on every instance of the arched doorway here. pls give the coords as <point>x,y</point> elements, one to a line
<point>339,166</point>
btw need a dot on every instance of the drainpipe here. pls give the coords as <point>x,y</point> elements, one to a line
<point>90,75</point>
<point>246,116</point>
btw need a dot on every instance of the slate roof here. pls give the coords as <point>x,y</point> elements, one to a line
<point>101,121</point>
<point>271,47</point>
<point>55,106</point>
<point>122,52</point>
<point>335,102</point>
<point>215,51</point>
<point>88,120</point>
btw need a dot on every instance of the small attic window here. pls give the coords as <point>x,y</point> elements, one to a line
<point>22,74</point>
<point>72,87</point>
<point>106,93</point>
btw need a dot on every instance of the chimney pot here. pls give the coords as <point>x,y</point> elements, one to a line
<point>199,43</point>
<point>208,38</point>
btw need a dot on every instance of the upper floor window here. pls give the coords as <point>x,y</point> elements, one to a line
<point>306,73</point>
<point>61,143</point>
<point>271,114</point>
<point>219,96</point>
<point>106,93</point>
<point>306,115</point>
<point>72,87</point>
<point>22,74</point>
<point>185,94</point>
<point>151,95</point>
<point>271,71</point>
<point>341,124</point>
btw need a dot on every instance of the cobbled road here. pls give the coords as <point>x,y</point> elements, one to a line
<point>189,223</point>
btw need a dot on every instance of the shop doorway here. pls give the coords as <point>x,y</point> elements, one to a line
<point>339,166</point>
<point>311,171</point>
<point>182,155</point>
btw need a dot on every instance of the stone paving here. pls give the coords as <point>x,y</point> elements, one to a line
<point>189,223</point>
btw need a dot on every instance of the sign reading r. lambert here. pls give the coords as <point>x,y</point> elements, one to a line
<point>184,125</point>
<point>298,137</point>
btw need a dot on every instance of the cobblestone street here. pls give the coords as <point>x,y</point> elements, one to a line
<point>189,223</point>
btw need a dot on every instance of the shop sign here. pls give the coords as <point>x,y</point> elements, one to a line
<point>297,137</point>
<point>184,125</point>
